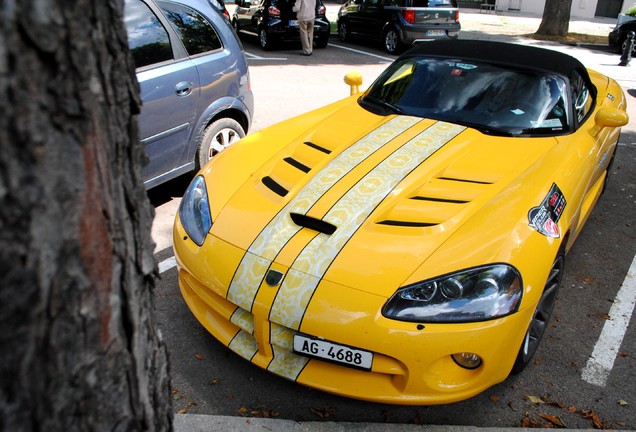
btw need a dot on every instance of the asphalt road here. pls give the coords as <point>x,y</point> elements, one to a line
<point>208,379</point>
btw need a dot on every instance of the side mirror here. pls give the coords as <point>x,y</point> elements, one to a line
<point>354,80</point>
<point>609,117</point>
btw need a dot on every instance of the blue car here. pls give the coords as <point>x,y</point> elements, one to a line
<point>194,84</point>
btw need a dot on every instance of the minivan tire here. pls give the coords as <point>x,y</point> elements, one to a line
<point>218,136</point>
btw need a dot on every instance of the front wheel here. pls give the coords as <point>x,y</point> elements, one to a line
<point>218,136</point>
<point>541,315</point>
<point>392,42</point>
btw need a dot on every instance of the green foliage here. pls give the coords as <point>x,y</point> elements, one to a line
<point>631,11</point>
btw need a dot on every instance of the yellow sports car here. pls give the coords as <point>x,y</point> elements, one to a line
<point>405,244</point>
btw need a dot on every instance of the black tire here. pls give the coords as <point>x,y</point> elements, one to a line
<point>264,39</point>
<point>235,25</point>
<point>622,46</point>
<point>541,316</point>
<point>343,31</point>
<point>392,42</point>
<point>609,168</point>
<point>322,42</point>
<point>218,136</point>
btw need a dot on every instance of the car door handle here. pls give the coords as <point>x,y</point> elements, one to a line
<point>184,88</point>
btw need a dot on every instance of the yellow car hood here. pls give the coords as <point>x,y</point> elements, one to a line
<point>359,199</point>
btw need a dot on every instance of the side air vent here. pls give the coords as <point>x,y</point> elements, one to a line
<point>313,223</point>
<point>274,186</point>
<point>439,200</point>
<point>298,165</point>
<point>407,224</point>
<point>464,180</point>
<point>317,147</point>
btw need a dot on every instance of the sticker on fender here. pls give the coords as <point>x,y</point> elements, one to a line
<point>332,352</point>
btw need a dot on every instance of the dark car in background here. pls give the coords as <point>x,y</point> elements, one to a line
<point>398,23</point>
<point>194,84</point>
<point>618,36</point>
<point>274,21</point>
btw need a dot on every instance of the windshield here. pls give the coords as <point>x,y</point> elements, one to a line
<point>490,98</point>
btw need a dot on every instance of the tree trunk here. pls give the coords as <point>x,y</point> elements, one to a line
<point>556,18</point>
<point>79,345</point>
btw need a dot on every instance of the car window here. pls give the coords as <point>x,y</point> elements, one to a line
<point>581,97</point>
<point>491,98</point>
<point>148,40</point>
<point>194,30</point>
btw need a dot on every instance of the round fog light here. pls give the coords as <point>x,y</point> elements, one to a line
<point>467,360</point>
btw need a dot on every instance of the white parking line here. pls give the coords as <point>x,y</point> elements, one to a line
<point>362,52</point>
<point>599,365</point>
<point>251,56</point>
<point>167,264</point>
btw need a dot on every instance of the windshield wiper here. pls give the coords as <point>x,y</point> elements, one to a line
<point>373,104</point>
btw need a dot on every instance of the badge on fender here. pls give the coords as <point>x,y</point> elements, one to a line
<point>544,218</point>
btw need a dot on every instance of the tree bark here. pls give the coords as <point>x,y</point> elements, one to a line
<point>79,346</point>
<point>556,18</point>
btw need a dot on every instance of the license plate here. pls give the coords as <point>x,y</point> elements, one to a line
<point>333,352</point>
<point>293,23</point>
<point>435,33</point>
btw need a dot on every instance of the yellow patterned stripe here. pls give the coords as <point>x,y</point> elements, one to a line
<point>281,228</point>
<point>348,214</point>
<point>244,344</point>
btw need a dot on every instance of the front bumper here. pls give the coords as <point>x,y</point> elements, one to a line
<point>412,363</point>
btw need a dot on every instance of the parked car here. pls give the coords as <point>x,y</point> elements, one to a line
<point>219,5</point>
<point>194,84</point>
<point>618,36</point>
<point>398,23</point>
<point>404,245</point>
<point>274,21</point>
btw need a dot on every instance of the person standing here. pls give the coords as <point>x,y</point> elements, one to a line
<point>306,13</point>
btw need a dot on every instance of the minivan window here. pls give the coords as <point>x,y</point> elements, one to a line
<point>196,33</point>
<point>148,40</point>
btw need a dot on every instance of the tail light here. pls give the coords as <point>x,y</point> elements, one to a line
<point>457,16</point>
<point>409,15</point>
<point>273,11</point>
<point>322,10</point>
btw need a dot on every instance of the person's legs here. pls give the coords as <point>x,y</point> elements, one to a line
<point>304,36</point>
<point>310,35</point>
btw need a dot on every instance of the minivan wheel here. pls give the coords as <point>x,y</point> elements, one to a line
<point>392,43</point>
<point>343,31</point>
<point>264,39</point>
<point>541,316</point>
<point>218,136</point>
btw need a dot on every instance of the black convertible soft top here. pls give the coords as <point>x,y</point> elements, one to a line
<point>514,55</point>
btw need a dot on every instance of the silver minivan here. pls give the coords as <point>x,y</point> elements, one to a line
<point>194,84</point>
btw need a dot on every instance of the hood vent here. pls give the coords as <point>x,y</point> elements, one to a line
<point>313,223</point>
<point>288,171</point>
<point>435,202</point>
<point>274,186</point>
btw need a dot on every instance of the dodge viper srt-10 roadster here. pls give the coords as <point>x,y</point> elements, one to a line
<point>405,244</point>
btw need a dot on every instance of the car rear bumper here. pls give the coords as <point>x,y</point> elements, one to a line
<point>280,29</point>
<point>411,35</point>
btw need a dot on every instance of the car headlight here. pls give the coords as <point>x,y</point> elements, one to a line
<point>194,211</point>
<point>476,294</point>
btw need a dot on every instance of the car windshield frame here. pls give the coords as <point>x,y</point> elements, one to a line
<point>493,98</point>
